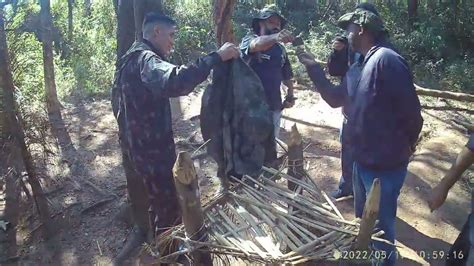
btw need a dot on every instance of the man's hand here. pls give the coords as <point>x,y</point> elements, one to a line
<point>289,101</point>
<point>306,58</point>
<point>228,51</point>
<point>438,196</point>
<point>285,36</point>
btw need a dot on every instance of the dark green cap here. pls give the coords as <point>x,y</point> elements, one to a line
<point>264,14</point>
<point>363,18</point>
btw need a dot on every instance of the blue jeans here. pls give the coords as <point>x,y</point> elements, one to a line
<point>276,116</point>
<point>391,182</point>
<point>345,183</point>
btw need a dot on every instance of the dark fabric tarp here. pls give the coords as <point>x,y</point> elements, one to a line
<point>236,119</point>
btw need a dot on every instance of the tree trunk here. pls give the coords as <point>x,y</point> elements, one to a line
<point>140,8</point>
<point>20,155</point>
<point>69,20</point>
<point>412,11</point>
<point>52,101</point>
<point>430,5</point>
<point>465,97</point>
<point>222,15</point>
<point>125,29</point>
<point>88,6</point>
<point>186,182</point>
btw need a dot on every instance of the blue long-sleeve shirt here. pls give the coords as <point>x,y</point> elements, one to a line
<point>385,114</point>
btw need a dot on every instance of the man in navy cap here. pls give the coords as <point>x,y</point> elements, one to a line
<point>345,64</point>
<point>266,55</point>
<point>385,118</point>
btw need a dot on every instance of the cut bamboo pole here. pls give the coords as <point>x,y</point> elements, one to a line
<point>295,157</point>
<point>297,201</point>
<point>186,183</point>
<point>264,240</point>
<point>231,239</point>
<point>369,215</point>
<point>247,244</point>
<point>272,218</point>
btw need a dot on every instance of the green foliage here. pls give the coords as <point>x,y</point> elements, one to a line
<point>90,62</point>
<point>194,37</point>
<point>438,45</point>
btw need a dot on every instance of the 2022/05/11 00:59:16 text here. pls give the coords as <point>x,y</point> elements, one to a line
<point>381,255</point>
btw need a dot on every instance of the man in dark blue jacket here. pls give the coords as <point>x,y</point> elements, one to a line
<point>385,118</point>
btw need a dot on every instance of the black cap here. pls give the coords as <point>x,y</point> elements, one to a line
<point>157,17</point>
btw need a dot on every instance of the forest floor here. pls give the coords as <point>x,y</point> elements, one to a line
<point>87,188</point>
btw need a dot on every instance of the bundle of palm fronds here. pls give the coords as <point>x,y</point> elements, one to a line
<point>261,220</point>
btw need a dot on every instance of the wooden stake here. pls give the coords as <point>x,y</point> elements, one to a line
<point>186,182</point>
<point>295,157</point>
<point>370,214</point>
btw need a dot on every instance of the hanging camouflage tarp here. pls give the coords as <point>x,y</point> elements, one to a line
<point>236,119</point>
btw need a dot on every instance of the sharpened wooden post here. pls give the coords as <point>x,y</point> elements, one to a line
<point>295,157</point>
<point>370,214</point>
<point>186,182</point>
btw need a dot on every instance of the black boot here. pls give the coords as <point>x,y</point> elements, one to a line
<point>137,237</point>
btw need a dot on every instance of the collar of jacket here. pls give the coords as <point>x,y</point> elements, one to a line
<point>137,46</point>
<point>153,48</point>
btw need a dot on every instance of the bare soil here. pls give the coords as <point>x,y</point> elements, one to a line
<point>87,186</point>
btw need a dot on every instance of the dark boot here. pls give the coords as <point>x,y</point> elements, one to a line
<point>135,239</point>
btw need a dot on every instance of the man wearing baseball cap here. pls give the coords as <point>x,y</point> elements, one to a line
<point>385,118</point>
<point>267,57</point>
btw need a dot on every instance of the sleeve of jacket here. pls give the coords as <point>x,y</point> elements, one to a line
<point>396,80</point>
<point>337,63</point>
<point>167,80</point>
<point>245,46</point>
<point>335,96</point>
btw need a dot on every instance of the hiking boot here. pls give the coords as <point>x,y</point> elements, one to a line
<point>137,237</point>
<point>339,194</point>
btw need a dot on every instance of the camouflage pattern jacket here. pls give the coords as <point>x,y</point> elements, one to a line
<point>143,84</point>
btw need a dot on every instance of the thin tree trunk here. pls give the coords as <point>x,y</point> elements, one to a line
<point>69,19</point>
<point>52,101</point>
<point>465,97</point>
<point>125,29</point>
<point>412,11</point>
<point>222,16</point>
<point>88,6</point>
<point>21,157</point>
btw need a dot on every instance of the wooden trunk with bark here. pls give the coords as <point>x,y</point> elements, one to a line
<point>70,4</point>
<point>52,101</point>
<point>187,188</point>
<point>20,158</point>
<point>140,9</point>
<point>222,16</point>
<point>125,27</point>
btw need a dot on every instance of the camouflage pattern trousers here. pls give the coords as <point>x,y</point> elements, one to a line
<point>155,194</point>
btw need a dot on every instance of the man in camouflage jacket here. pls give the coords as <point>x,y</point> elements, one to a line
<point>144,82</point>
